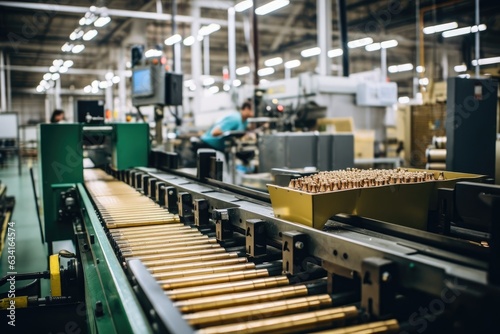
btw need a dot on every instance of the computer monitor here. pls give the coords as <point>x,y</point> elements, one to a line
<point>142,82</point>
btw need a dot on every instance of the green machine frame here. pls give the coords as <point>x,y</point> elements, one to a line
<point>61,154</point>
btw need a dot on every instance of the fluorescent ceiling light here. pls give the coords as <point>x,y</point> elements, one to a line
<point>47,76</point>
<point>263,81</point>
<point>102,21</point>
<point>310,52</point>
<point>404,99</point>
<point>335,53</point>
<point>460,68</point>
<point>423,81</point>
<point>207,30</point>
<point>151,53</point>
<point>55,76</point>
<point>236,83</point>
<point>400,68</point>
<point>78,48</point>
<point>389,44</point>
<point>87,89</point>
<point>360,42</point>
<point>440,28</point>
<point>213,89</point>
<point>76,34</point>
<point>109,75</point>
<point>66,47</point>
<point>273,61</point>
<point>463,31</point>
<point>103,85</point>
<point>265,71</point>
<point>226,87</point>
<point>292,63</point>
<point>420,69</point>
<point>115,79</point>
<point>188,41</point>
<point>39,89</point>
<point>271,7</point>
<point>188,83</point>
<point>207,81</point>
<point>173,39</point>
<point>53,69</point>
<point>243,70</point>
<point>373,47</point>
<point>89,35</point>
<point>63,69</point>
<point>95,90</point>
<point>44,82</point>
<point>244,5</point>
<point>68,63</point>
<point>58,62</point>
<point>486,61</point>
<point>481,27</point>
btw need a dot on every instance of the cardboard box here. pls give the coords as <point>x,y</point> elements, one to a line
<point>364,144</point>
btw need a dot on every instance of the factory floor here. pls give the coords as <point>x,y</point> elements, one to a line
<point>30,254</point>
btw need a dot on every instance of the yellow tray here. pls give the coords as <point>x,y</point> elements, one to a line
<point>402,204</point>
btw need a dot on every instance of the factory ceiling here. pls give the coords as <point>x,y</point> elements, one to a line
<point>32,35</point>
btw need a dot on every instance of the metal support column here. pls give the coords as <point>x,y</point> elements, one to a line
<point>231,45</point>
<point>196,57</point>
<point>3,87</point>
<point>206,55</point>
<point>383,64</point>
<point>122,88</point>
<point>477,39</point>
<point>9,83</point>
<point>57,94</point>
<point>417,47</point>
<point>324,27</point>
<point>342,18</point>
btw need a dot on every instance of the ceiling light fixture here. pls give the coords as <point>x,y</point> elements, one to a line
<point>207,30</point>
<point>486,61</point>
<point>78,48</point>
<point>188,41</point>
<point>244,5</point>
<point>463,31</point>
<point>460,68</point>
<point>400,68</point>
<point>359,42</point>
<point>102,21</point>
<point>439,28</point>
<point>153,53</point>
<point>271,7</point>
<point>173,39</point>
<point>265,71</point>
<point>90,34</point>
<point>292,63</point>
<point>273,61</point>
<point>335,53</point>
<point>310,52</point>
<point>243,70</point>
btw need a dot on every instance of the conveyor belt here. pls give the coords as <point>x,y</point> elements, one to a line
<point>216,290</point>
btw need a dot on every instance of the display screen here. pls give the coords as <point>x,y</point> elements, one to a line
<point>142,83</point>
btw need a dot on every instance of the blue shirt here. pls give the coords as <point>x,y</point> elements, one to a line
<point>232,122</point>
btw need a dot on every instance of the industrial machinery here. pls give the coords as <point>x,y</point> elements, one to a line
<point>168,250</point>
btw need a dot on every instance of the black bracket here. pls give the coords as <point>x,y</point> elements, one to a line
<point>201,215</point>
<point>294,250</point>
<point>145,184</point>
<point>378,286</point>
<point>152,188</point>
<point>160,193</point>
<point>255,237</point>
<point>171,199</point>
<point>223,229</point>
<point>185,206</point>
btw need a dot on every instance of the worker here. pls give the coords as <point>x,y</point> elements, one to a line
<point>236,121</point>
<point>57,116</point>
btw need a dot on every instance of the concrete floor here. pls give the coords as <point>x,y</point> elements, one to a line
<point>30,253</point>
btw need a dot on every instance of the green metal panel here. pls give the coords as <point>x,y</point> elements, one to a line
<point>130,145</point>
<point>61,166</point>
<point>105,281</point>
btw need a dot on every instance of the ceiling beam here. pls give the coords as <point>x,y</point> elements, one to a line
<point>45,69</point>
